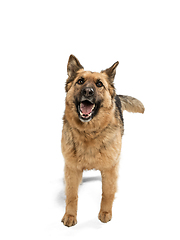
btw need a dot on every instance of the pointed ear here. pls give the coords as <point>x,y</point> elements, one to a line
<point>73,65</point>
<point>111,72</point>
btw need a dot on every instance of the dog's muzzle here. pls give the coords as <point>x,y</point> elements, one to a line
<point>86,106</point>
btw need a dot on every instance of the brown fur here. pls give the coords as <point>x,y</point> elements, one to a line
<point>131,104</point>
<point>95,144</point>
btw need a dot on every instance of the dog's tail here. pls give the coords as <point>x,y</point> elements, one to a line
<point>131,104</point>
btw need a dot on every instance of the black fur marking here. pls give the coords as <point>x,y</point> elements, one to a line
<point>118,104</point>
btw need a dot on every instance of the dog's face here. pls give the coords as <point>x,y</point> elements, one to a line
<point>89,94</point>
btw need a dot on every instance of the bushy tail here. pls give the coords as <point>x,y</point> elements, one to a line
<point>131,104</point>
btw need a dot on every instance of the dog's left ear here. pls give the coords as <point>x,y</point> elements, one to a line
<point>111,72</point>
<point>73,66</point>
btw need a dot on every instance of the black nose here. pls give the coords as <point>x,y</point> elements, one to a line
<point>88,92</point>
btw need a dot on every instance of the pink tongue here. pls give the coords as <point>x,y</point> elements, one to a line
<point>86,108</point>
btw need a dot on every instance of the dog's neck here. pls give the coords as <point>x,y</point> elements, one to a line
<point>91,130</point>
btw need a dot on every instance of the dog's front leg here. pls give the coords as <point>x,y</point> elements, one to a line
<point>109,187</point>
<point>72,180</point>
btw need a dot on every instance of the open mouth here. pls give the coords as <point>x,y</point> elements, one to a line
<point>86,109</point>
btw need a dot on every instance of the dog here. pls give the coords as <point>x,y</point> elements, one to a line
<point>93,127</point>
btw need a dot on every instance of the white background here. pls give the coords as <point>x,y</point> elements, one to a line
<point>36,40</point>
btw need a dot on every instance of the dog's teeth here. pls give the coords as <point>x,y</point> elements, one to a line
<point>87,115</point>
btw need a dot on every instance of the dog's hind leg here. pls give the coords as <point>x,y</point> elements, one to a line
<point>109,187</point>
<point>72,180</point>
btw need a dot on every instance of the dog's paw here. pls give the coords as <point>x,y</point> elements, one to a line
<point>69,220</point>
<point>105,216</point>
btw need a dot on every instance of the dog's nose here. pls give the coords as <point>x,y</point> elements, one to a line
<point>88,92</point>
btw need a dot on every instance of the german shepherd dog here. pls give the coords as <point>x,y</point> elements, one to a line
<point>92,132</point>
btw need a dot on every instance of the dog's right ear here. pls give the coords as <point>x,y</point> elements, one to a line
<point>73,66</point>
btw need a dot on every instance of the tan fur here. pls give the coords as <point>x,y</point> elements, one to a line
<point>91,145</point>
<point>131,104</point>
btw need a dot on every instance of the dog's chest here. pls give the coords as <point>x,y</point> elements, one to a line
<point>88,152</point>
<point>97,153</point>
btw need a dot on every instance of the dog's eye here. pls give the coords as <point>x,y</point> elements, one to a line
<point>99,83</point>
<point>80,81</point>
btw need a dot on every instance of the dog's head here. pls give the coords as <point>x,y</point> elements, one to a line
<point>89,94</point>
